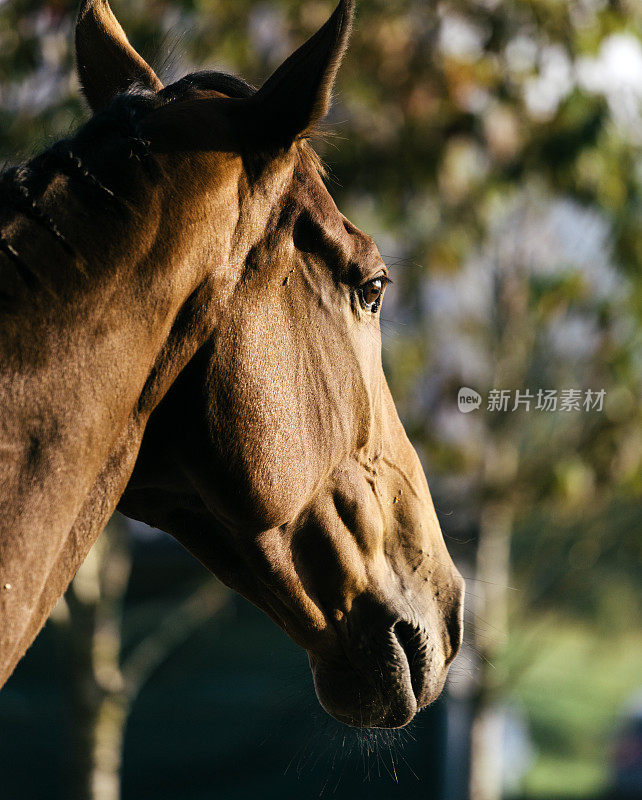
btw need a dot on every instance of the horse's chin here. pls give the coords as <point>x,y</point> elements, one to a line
<point>361,703</point>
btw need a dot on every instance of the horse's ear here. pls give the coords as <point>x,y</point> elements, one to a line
<point>297,95</point>
<point>107,63</point>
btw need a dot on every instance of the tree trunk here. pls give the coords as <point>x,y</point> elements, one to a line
<point>490,633</point>
<point>102,689</point>
<point>108,743</point>
<point>83,715</point>
<point>99,707</point>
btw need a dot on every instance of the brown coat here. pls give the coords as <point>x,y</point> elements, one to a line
<point>189,327</point>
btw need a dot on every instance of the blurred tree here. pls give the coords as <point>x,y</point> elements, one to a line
<point>535,309</point>
<point>104,676</point>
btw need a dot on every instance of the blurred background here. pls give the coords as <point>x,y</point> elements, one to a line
<point>493,148</point>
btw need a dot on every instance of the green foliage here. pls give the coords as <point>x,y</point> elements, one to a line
<point>572,685</point>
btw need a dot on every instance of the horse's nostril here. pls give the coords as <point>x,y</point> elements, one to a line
<point>455,629</point>
<point>413,643</point>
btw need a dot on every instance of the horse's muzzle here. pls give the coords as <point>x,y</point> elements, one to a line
<point>381,680</point>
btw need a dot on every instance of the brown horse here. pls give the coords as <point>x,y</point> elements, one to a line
<point>189,330</point>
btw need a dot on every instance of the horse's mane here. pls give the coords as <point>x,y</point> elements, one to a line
<point>104,159</point>
<point>113,135</point>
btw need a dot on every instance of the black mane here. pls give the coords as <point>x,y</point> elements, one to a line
<point>96,156</point>
<point>104,160</point>
<point>114,134</point>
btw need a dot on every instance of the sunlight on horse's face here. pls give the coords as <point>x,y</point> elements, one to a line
<point>329,504</point>
<point>296,483</point>
<point>277,456</point>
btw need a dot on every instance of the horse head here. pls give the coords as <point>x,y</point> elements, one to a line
<point>277,456</point>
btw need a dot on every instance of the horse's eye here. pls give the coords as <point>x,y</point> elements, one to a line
<point>370,293</point>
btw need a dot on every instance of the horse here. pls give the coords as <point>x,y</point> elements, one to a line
<point>190,334</point>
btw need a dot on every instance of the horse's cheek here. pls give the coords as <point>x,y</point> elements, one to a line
<point>263,482</point>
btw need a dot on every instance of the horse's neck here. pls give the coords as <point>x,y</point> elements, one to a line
<point>75,361</point>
